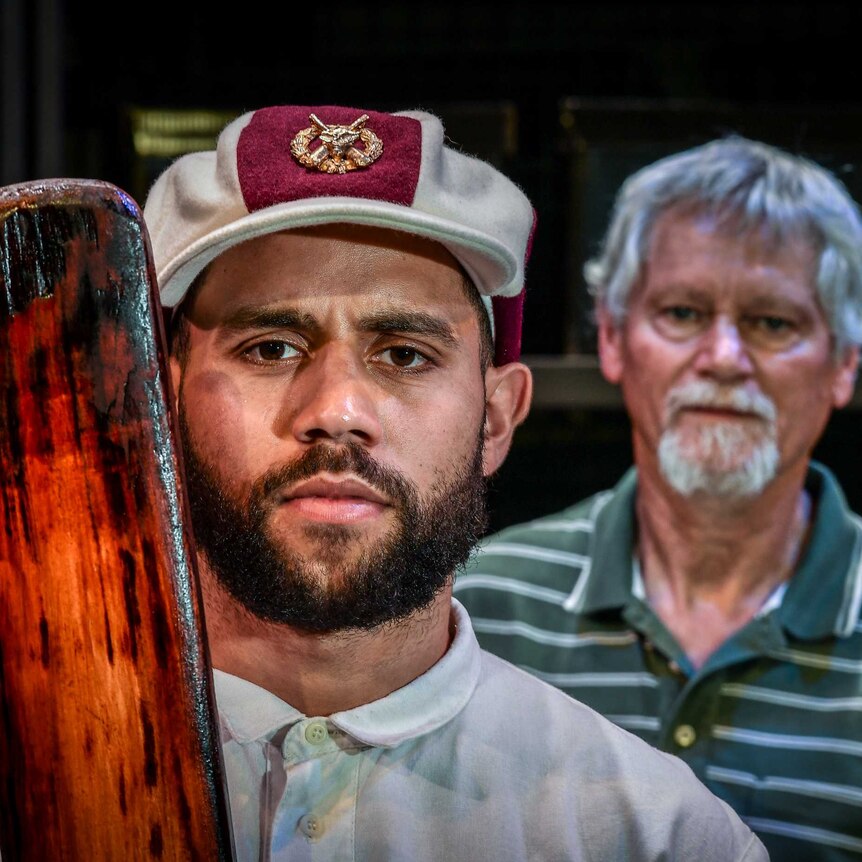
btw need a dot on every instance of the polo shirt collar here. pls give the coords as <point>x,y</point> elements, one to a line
<point>824,596</point>
<point>249,712</point>
<point>607,582</point>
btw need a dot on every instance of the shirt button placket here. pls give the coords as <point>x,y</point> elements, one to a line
<point>316,734</point>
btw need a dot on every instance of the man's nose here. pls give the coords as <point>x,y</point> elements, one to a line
<point>333,398</point>
<point>723,351</point>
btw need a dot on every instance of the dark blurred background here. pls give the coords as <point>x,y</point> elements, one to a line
<point>566,99</point>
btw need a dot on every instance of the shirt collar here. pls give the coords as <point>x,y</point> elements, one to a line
<point>606,583</point>
<point>250,712</point>
<point>247,711</point>
<point>823,598</point>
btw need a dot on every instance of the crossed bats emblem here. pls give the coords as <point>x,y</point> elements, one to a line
<point>336,153</point>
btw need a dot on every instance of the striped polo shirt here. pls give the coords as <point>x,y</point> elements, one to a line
<point>772,722</point>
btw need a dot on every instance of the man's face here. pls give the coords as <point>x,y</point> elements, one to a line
<point>332,406</point>
<point>725,358</point>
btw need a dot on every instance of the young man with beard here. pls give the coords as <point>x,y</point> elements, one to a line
<point>334,277</point>
<point>710,602</point>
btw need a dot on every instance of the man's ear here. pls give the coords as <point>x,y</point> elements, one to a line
<point>609,346</point>
<point>845,377</point>
<point>509,392</point>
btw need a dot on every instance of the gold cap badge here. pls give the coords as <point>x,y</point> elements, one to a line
<point>336,153</point>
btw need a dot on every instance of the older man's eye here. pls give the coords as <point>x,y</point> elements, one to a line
<point>773,331</point>
<point>682,314</point>
<point>403,357</point>
<point>679,321</point>
<point>271,351</point>
<point>772,324</point>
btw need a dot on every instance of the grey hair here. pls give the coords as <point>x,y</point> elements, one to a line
<point>749,185</point>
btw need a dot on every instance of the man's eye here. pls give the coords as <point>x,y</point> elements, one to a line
<point>681,314</point>
<point>271,351</point>
<point>680,322</point>
<point>403,357</point>
<point>772,331</point>
<point>768,324</point>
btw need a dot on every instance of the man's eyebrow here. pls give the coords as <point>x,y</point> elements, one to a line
<point>257,317</point>
<point>680,291</point>
<point>411,323</point>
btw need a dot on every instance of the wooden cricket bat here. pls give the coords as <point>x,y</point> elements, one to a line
<point>109,745</point>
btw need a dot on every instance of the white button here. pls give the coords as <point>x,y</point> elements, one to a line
<point>310,826</point>
<point>684,736</point>
<point>316,733</point>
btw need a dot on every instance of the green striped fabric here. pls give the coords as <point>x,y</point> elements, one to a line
<point>772,723</point>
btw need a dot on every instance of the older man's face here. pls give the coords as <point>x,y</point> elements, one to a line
<point>332,403</point>
<point>725,358</point>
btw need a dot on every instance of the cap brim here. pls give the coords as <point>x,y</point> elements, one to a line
<point>487,261</point>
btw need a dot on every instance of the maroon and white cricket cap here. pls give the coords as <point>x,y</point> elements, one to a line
<point>275,169</point>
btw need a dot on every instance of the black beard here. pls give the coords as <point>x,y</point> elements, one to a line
<point>391,580</point>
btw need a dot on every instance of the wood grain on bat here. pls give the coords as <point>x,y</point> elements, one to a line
<point>108,742</point>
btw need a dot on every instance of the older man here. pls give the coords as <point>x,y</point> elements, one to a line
<point>334,276</point>
<point>710,602</point>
